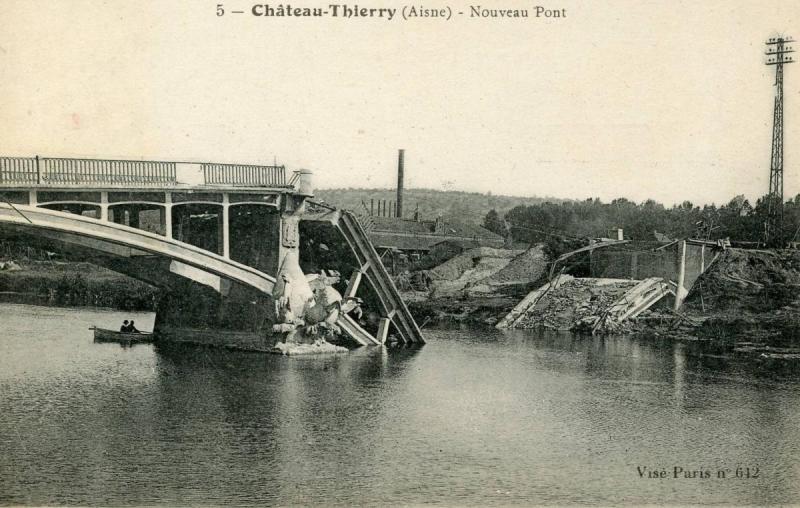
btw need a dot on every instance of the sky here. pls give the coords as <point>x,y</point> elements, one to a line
<point>664,100</point>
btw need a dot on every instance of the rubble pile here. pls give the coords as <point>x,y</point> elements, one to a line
<point>745,294</point>
<point>575,304</point>
<point>747,281</point>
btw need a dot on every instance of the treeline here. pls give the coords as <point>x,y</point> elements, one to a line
<point>467,207</point>
<point>738,220</point>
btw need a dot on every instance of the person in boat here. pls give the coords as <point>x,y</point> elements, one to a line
<point>124,327</point>
<point>132,328</point>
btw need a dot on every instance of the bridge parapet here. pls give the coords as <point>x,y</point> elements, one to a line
<point>244,174</point>
<point>32,172</point>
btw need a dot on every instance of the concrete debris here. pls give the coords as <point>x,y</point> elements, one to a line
<point>317,347</point>
<point>527,304</point>
<point>574,304</point>
<point>587,305</point>
<point>635,301</point>
<point>9,266</point>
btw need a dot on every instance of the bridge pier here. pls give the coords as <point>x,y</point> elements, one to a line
<point>226,232</point>
<point>104,205</point>
<point>166,215</point>
<point>263,237</point>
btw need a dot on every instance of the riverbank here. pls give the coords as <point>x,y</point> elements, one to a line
<point>750,296</point>
<point>74,284</point>
<point>753,294</point>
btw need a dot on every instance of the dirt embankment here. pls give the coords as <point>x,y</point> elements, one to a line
<point>467,269</point>
<point>524,269</point>
<point>752,294</point>
<point>477,285</point>
<point>485,271</point>
<point>749,282</point>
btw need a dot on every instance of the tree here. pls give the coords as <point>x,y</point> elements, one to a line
<point>494,223</point>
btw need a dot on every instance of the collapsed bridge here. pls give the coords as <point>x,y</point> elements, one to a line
<point>213,236</point>
<point>625,281</point>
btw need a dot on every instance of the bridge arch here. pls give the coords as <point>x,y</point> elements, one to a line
<point>146,216</point>
<point>75,207</point>
<point>130,250</point>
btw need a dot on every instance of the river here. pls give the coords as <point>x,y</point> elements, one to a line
<point>475,417</point>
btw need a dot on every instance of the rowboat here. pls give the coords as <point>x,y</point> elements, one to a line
<point>105,335</point>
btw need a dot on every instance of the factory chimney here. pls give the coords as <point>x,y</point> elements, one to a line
<point>399,205</point>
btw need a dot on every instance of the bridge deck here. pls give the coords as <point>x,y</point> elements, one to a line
<point>44,172</point>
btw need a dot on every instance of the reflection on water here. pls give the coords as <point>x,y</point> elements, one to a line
<point>475,417</point>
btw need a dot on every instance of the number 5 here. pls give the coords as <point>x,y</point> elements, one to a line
<point>220,10</point>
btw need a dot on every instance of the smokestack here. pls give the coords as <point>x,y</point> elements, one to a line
<point>399,209</point>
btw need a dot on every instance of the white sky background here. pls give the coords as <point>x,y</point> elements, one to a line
<point>665,100</point>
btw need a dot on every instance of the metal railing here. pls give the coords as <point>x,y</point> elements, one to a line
<point>61,171</point>
<point>244,175</point>
<point>78,171</point>
<point>366,222</point>
<point>27,171</point>
<point>21,170</point>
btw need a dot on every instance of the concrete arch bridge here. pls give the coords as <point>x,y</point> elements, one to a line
<point>213,236</point>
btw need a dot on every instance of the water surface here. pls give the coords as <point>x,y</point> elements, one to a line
<point>475,417</point>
